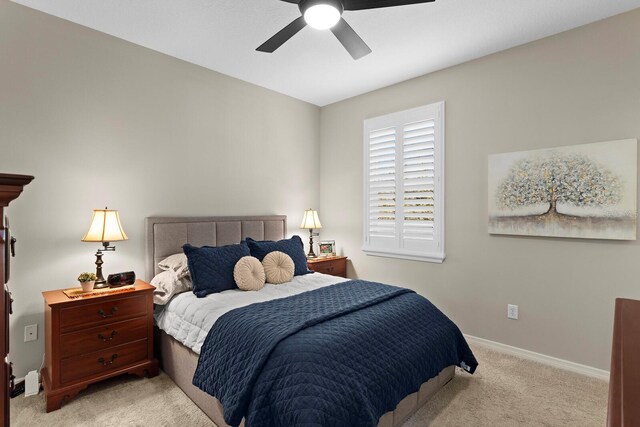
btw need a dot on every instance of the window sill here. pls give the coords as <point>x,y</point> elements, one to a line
<point>412,256</point>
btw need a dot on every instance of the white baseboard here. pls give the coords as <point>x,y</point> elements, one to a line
<point>540,358</point>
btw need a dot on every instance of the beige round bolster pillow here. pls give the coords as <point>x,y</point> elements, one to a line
<point>278,267</point>
<point>249,274</point>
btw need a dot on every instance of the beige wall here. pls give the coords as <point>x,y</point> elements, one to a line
<point>577,87</point>
<point>100,121</point>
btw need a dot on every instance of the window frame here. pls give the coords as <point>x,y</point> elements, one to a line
<point>435,111</point>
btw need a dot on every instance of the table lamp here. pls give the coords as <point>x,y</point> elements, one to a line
<point>105,227</point>
<point>311,221</point>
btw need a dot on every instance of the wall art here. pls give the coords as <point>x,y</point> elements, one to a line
<point>584,191</point>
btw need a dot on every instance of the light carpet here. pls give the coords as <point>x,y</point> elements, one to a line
<point>504,391</point>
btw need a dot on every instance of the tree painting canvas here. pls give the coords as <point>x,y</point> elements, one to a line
<point>585,191</point>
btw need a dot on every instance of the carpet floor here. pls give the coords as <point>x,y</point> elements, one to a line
<point>504,391</point>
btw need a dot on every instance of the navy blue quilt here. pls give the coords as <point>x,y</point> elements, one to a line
<point>342,355</point>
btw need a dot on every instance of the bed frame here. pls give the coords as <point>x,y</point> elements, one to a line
<point>166,235</point>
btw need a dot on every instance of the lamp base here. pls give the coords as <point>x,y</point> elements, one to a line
<point>101,284</point>
<point>100,281</point>
<point>311,253</point>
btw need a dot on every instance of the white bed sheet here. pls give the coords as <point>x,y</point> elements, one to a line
<point>188,318</point>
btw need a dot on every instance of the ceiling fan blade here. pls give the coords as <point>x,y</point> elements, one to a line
<point>374,4</point>
<point>282,36</point>
<point>350,39</point>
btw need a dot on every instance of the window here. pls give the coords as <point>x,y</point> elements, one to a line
<point>404,184</point>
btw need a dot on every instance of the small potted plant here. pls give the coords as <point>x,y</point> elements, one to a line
<point>87,280</point>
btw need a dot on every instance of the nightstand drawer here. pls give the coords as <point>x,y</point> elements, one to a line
<point>335,267</point>
<point>102,312</point>
<point>74,368</point>
<point>103,337</point>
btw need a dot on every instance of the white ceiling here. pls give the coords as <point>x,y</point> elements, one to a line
<point>407,41</point>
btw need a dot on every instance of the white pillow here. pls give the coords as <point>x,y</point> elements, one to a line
<point>249,274</point>
<point>278,267</point>
<point>167,285</point>
<point>177,263</point>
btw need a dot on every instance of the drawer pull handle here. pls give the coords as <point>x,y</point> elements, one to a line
<point>107,362</point>
<point>109,338</point>
<point>104,315</point>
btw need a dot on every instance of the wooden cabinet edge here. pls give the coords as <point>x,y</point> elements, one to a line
<point>11,186</point>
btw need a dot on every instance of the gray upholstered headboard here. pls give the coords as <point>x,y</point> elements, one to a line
<point>166,235</point>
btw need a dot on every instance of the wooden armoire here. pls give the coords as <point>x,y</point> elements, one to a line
<point>10,188</point>
<point>624,382</point>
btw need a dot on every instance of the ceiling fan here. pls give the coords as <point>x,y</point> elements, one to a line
<point>327,15</point>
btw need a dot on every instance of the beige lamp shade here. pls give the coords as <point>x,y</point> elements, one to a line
<point>310,220</point>
<point>105,227</point>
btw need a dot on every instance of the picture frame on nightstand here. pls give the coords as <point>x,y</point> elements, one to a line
<point>327,248</point>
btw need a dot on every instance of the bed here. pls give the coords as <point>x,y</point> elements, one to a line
<point>180,347</point>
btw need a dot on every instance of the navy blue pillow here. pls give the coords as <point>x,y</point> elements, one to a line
<point>211,267</point>
<point>292,247</point>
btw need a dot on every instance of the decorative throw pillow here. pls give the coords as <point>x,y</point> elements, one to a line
<point>278,267</point>
<point>249,274</point>
<point>177,263</point>
<point>211,267</point>
<point>167,285</point>
<point>292,247</point>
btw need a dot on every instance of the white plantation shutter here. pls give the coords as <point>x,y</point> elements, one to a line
<point>418,179</point>
<point>404,183</point>
<point>382,185</point>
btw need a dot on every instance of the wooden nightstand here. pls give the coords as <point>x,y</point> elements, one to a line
<point>335,265</point>
<point>91,339</point>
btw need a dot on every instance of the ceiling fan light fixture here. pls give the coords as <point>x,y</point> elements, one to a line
<point>322,16</point>
<point>327,14</point>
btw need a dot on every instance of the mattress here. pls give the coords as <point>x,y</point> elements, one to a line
<point>188,318</point>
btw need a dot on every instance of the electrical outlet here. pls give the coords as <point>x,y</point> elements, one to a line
<point>30,333</point>
<point>512,311</point>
